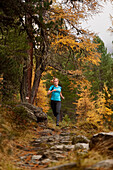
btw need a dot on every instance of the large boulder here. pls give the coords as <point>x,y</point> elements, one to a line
<point>34,113</point>
<point>102,142</point>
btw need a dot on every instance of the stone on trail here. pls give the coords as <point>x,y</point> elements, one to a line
<point>45,132</point>
<point>83,146</point>
<point>50,153</point>
<point>80,139</point>
<point>46,161</point>
<point>57,156</point>
<point>36,157</point>
<point>63,147</point>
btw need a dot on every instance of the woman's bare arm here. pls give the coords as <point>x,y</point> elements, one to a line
<point>62,96</point>
<point>50,91</point>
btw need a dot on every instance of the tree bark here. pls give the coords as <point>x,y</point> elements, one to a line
<point>23,85</point>
<point>29,71</point>
<point>25,89</point>
<point>38,75</point>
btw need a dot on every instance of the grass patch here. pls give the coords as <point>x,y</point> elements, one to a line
<point>6,164</point>
<point>13,131</point>
<point>82,160</point>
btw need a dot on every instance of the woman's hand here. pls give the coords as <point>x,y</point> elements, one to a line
<point>50,91</point>
<point>63,97</point>
<point>53,90</point>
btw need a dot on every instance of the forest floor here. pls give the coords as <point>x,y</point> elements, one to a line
<point>41,146</point>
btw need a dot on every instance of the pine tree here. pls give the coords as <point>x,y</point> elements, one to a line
<point>13,51</point>
<point>101,74</point>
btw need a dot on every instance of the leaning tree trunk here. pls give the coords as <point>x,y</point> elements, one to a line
<point>25,89</point>
<point>36,82</point>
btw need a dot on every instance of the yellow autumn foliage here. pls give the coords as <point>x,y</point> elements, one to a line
<point>41,99</point>
<point>85,103</point>
<point>91,110</point>
<point>69,34</point>
<point>94,117</point>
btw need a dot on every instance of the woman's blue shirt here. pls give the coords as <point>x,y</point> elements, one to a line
<point>55,94</point>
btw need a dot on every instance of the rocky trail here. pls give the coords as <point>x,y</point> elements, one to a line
<point>54,145</point>
<point>61,146</point>
<point>50,146</point>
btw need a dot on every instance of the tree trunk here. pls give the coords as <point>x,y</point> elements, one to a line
<point>36,82</point>
<point>25,89</point>
<point>29,71</point>
<point>24,85</point>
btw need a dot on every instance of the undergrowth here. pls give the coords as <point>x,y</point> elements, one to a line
<point>15,129</point>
